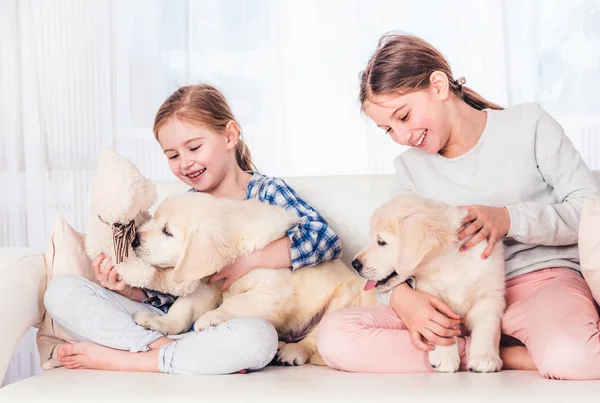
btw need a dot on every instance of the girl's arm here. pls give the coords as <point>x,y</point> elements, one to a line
<point>565,171</point>
<point>311,240</point>
<point>275,255</point>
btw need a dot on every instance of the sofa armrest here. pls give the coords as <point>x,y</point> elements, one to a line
<point>22,286</point>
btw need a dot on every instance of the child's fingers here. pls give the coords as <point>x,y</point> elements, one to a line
<point>437,340</point>
<point>480,236</point>
<point>441,331</point>
<point>418,341</point>
<point>471,215</point>
<point>96,264</point>
<point>441,307</point>
<point>472,228</point>
<point>106,266</point>
<point>120,285</point>
<point>227,284</point>
<point>441,319</point>
<point>491,244</point>
<point>112,276</point>
<point>217,276</point>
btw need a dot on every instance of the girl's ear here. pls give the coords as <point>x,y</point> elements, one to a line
<point>439,88</point>
<point>232,134</point>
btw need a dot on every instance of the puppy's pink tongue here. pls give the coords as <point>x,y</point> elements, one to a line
<point>370,285</point>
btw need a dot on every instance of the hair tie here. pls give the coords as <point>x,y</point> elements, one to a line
<point>460,82</point>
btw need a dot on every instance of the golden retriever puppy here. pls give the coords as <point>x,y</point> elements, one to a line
<point>416,237</point>
<point>195,235</point>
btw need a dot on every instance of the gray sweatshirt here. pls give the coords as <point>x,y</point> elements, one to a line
<point>525,162</point>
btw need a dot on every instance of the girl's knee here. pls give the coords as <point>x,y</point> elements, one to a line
<point>259,335</point>
<point>255,330</point>
<point>60,290</point>
<point>335,334</point>
<point>235,345</point>
<point>568,360</point>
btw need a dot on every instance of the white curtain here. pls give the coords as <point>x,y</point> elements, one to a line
<point>79,75</point>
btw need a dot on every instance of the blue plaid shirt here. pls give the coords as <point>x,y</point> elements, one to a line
<point>312,240</point>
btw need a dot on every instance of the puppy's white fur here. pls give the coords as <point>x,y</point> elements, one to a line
<point>416,237</point>
<point>195,235</point>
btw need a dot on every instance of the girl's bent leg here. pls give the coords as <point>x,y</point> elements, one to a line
<point>372,339</point>
<point>239,344</point>
<point>92,313</point>
<point>553,313</point>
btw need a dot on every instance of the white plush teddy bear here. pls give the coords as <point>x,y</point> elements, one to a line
<point>119,202</point>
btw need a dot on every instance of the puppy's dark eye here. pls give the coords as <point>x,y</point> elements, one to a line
<point>166,231</point>
<point>381,242</point>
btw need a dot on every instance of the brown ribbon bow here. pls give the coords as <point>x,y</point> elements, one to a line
<point>123,235</point>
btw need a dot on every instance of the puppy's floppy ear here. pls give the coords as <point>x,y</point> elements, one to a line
<point>418,234</point>
<point>207,249</point>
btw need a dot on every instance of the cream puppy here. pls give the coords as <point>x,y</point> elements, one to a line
<point>415,237</point>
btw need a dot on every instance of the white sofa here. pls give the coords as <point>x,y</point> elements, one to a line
<point>346,202</point>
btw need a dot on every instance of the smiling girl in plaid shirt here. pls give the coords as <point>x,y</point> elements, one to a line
<point>201,140</point>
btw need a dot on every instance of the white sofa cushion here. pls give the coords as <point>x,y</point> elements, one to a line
<point>65,254</point>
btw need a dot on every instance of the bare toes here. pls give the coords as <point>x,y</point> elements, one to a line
<point>74,365</point>
<point>80,348</point>
<point>64,350</point>
<point>68,361</point>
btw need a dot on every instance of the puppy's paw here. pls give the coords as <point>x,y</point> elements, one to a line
<point>292,354</point>
<point>210,318</point>
<point>148,321</point>
<point>143,319</point>
<point>445,358</point>
<point>484,363</point>
<point>161,324</point>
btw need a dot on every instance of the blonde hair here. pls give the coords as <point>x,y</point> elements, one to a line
<point>404,63</point>
<point>203,104</point>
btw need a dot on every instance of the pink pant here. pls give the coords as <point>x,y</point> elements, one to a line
<point>551,311</point>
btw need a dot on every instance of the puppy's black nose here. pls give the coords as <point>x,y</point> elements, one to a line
<point>136,242</point>
<point>357,265</point>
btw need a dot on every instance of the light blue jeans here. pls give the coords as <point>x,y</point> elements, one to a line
<point>92,313</point>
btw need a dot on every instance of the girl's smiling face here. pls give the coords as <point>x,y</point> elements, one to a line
<point>197,156</point>
<point>418,119</point>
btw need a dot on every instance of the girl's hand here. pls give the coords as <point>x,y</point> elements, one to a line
<point>232,272</point>
<point>426,317</point>
<point>108,277</point>
<point>484,222</point>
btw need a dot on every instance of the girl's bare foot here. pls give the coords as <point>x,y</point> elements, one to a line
<point>517,357</point>
<point>93,356</point>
